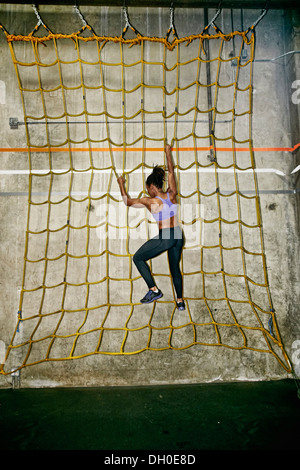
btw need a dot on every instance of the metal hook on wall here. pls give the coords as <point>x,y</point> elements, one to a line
<point>172,25</point>
<point>127,22</point>
<point>212,22</point>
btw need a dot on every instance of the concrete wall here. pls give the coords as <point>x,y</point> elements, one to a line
<point>275,124</point>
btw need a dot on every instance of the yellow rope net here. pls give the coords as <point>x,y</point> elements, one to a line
<point>96,107</point>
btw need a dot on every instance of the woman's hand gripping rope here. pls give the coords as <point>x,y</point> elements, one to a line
<point>122,184</point>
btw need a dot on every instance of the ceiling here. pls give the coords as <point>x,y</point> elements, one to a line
<point>254,4</point>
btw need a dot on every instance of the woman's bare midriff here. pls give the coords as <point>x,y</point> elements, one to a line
<point>168,223</point>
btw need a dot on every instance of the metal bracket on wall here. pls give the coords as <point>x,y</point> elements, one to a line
<point>16,379</point>
<point>14,123</point>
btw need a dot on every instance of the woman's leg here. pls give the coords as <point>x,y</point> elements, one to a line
<point>174,255</point>
<point>148,250</point>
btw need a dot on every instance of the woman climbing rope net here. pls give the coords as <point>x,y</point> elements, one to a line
<point>163,207</point>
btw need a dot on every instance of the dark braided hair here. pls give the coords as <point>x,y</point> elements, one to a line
<point>157,177</point>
